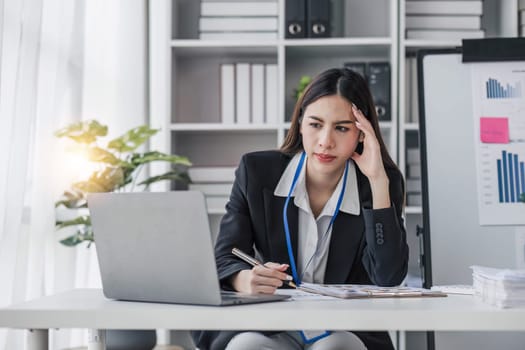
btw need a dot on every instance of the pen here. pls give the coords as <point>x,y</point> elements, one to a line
<point>254,262</point>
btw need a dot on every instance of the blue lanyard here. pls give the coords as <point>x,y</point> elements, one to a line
<point>285,214</point>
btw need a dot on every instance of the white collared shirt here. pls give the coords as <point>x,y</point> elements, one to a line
<point>312,230</point>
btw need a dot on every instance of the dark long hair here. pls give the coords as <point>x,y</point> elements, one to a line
<point>347,84</point>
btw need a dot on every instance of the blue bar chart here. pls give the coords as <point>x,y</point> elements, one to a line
<point>511,177</point>
<point>496,89</point>
<point>498,109</point>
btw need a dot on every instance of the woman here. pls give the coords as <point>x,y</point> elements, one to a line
<point>325,208</point>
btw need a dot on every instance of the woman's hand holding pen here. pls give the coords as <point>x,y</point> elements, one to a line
<point>261,278</point>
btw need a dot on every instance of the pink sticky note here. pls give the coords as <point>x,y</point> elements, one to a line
<point>494,130</point>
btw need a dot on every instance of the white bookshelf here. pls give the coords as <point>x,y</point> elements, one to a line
<point>184,75</point>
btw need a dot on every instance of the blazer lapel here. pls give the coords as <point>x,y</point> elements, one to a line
<point>273,207</point>
<point>347,233</point>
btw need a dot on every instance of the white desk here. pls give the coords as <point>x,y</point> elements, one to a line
<point>88,308</point>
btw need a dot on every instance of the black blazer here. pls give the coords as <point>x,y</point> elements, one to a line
<point>369,248</point>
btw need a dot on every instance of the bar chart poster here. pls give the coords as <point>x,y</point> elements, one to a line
<point>499,118</point>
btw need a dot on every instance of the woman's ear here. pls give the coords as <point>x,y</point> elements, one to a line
<point>361,136</point>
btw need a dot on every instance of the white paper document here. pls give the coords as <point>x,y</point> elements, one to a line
<point>357,291</point>
<point>498,103</point>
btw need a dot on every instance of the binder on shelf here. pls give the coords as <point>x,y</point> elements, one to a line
<point>379,83</point>
<point>232,8</point>
<point>522,21</point>
<point>318,18</point>
<point>295,15</point>
<point>414,105</point>
<point>443,22</point>
<point>408,90</point>
<point>271,93</point>
<point>413,156</point>
<point>211,174</point>
<point>238,35</point>
<point>227,92</point>
<point>358,67</point>
<point>257,93</point>
<point>414,199</point>
<point>444,34</point>
<point>224,24</point>
<point>414,171</point>
<point>469,7</point>
<point>413,185</point>
<point>242,93</point>
<point>212,189</point>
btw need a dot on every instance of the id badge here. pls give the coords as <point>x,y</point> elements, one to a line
<point>310,337</point>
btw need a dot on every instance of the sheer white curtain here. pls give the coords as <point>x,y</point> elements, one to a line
<point>60,61</point>
<point>41,67</point>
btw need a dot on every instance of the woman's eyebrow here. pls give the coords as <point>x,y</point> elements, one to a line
<point>344,121</point>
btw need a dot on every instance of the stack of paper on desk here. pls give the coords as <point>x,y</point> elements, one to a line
<point>352,291</point>
<point>499,287</point>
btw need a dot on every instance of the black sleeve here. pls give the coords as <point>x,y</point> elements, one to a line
<point>235,230</point>
<point>385,256</point>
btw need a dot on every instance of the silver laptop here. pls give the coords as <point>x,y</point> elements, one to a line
<point>157,247</point>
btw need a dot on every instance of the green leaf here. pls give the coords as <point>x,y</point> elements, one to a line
<point>303,83</point>
<point>170,175</point>
<point>83,132</point>
<point>72,199</point>
<point>132,139</point>
<point>106,180</point>
<point>78,238</point>
<point>72,241</point>
<point>154,156</point>
<point>79,220</point>
<point>127,180</point>
<point>97,154</point>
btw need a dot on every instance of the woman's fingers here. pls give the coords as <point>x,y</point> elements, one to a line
<point>276,266</point>
<point>365,126</point>
<point>362,123</point>
<point>261,279</point>
<point>273,270</point>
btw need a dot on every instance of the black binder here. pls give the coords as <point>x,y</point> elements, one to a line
<point>379,83</point>
<point>358,67</point>
<point>295,19</point>
<point>318,18</point>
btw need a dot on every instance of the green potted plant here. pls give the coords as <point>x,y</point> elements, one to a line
<point>301,85</point>
<point>118,168</point>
